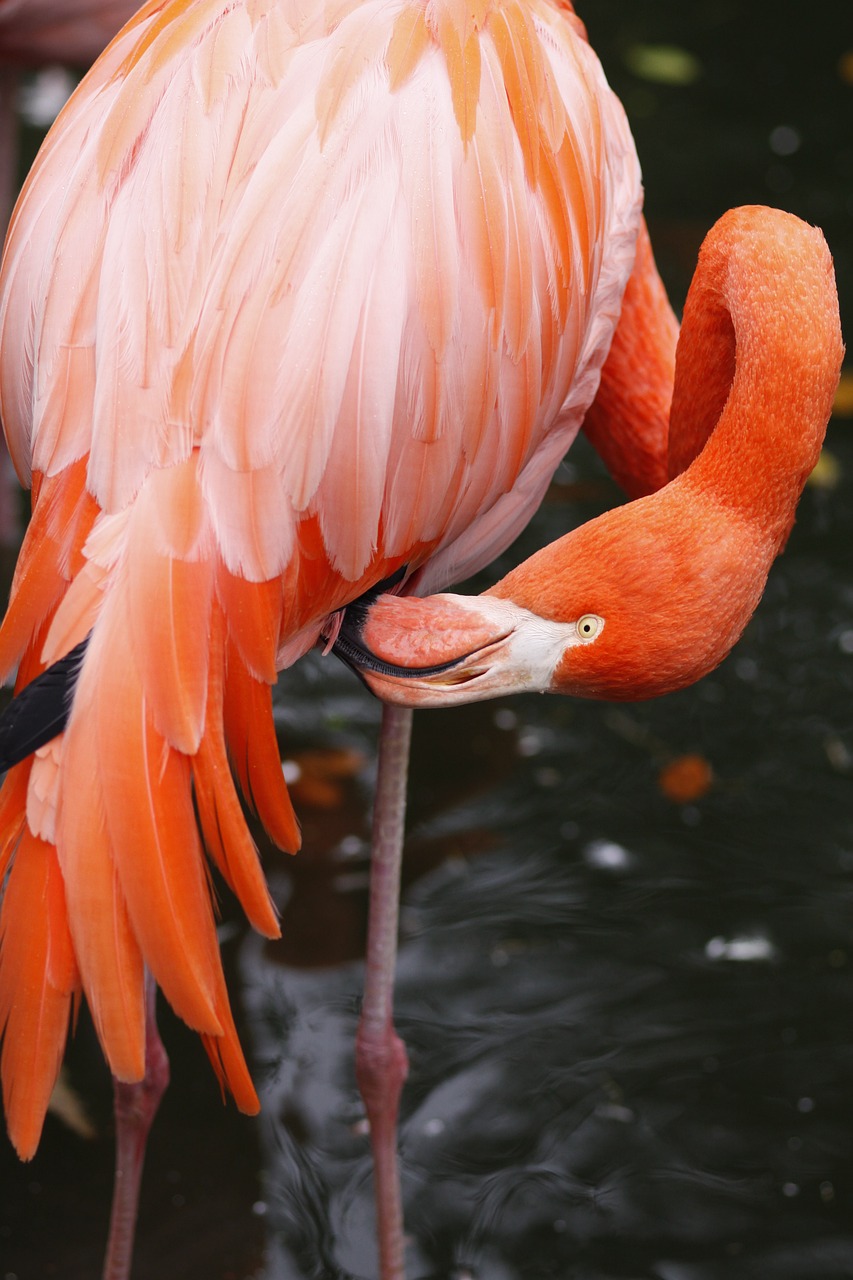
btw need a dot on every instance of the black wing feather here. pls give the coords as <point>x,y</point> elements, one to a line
<point>40,711</point>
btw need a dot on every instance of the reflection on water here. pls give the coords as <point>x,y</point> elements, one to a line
<point>625,977</point>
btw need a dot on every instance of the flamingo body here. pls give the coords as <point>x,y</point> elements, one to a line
<point>295,295</point>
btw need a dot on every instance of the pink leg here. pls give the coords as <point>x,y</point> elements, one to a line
<point>380,1055</point>
<point>135,1108</point>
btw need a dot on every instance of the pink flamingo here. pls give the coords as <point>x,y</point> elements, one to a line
<point>297,298</point>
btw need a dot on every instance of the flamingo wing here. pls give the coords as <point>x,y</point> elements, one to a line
<point>294,295</point>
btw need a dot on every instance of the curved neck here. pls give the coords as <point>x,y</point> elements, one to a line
<point>757,365</point>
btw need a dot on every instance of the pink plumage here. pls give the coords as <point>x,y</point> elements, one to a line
<point>294,295</point>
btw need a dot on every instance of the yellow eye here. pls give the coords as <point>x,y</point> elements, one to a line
<point>589,626</point>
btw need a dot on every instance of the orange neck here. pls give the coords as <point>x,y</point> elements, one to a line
<point>676,575</point>
<point>757,366</point>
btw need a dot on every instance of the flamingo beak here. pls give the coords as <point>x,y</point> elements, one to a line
<point>446,649</point>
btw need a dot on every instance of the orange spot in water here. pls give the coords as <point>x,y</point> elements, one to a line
<point>686,778</point>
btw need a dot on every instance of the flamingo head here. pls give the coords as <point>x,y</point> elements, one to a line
<point>642,601</point>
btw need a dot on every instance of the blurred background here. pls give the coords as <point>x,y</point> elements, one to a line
<point>626,970</point>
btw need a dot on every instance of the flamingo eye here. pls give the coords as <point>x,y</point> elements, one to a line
<point>589,626</point>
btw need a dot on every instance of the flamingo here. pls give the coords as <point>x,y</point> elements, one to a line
<point>297,302</point>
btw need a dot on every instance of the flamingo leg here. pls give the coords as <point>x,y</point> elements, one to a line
<point>135,1108</point>
<point>381,1063</point>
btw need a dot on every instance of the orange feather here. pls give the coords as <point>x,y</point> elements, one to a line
<point>51,555</point>
<point>222,822</point>
<point>254,751</point>
<point>37,979</point>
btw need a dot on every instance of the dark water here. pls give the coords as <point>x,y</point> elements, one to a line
<point>629,1016</point>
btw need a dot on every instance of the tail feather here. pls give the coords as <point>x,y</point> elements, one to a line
<point>149,850</point>
<point>170,642</point>
<point>254,611</point>
<point>13,812</point>
<point>100,844</point>
<point>226,1058</point>
<point>151,827</point>
<point>62,971</point>
<point>36,590</point>
<point>50,557</point>
<point>37,981</point>
<point>253,748</point>
<point>104,942</point>
<point>226,835</point>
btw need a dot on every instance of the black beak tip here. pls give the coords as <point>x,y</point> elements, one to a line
<point>347,645</point>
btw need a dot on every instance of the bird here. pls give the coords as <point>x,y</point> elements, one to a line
<point>299,303</point>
